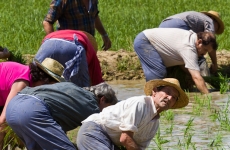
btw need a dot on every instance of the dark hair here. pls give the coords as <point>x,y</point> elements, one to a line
<point>38,74</point>
<point>159,88</point>
<point>208,38</point>
<point>103,89</point>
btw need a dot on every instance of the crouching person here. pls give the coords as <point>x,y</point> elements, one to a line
<point>131,123</point>
<point>42,115</point>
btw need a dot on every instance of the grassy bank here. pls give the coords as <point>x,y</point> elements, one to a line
<point>21,21</point>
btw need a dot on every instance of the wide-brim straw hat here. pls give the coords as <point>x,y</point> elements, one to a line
<point>215,15</point>
<point>182,99</point>
<point>92,40</point>
<point>52,67</point>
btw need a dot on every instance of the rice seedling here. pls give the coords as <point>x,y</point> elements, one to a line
<point>223,117</point>
<point>224,86</point>
<point>168,115</point>
<point>24,30</point>
<point>159,140</point>
<point>170,129</point>
<point>189,126</point>
<point>188,142</point>
<point>217,141</point>
<point>11,139</point>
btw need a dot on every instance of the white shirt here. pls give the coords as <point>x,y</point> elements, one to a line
<point>134,114</point>
<point>175,46</point>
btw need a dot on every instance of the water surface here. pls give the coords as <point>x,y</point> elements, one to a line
<point>205,130</point>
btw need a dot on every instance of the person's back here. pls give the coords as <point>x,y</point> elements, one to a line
<point>175,46</point>
<point>65,99</point>
<point>10,72</point>
<point>74,48</point>
<point>195,20</point>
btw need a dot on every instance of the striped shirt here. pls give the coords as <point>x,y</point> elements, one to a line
<point>198,22</point>
<point>72,14</point>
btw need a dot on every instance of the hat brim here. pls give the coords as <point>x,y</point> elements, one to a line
<point>50,73</point>
<point>219,21</point>
<point>183,99</point>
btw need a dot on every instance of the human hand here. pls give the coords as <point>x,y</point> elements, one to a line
<point>213,68</point>
<point>107,42</point>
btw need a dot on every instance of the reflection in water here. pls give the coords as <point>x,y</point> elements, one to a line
<point>203,113</point>
<point>127,88</point>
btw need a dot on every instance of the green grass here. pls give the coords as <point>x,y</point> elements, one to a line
<point>22,30</point>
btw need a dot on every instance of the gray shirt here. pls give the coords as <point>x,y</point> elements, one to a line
<point>198,22</point>
<point>67,103</point>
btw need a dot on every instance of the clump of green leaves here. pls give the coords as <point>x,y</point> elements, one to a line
<point>219,83</point>
<point>127,63</point>
<point>17,57</point>
<point>11,139</point>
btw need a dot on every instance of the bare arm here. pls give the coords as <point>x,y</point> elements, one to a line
<point>126,140</point>
<point>16,87</point>
<point>101,30</point>
<point>199,81</point>
<point>214,65</point>
<point>48,27</point>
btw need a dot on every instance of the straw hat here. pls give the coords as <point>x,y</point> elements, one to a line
<point>182,99</point>
<point>215,15</point>
<point>52,67</point>
<point>92,40</point>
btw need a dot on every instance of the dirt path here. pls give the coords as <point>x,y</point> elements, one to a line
<point>126,65</point>
<point>123,65</point>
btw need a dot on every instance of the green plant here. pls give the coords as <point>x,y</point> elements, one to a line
<point>126,63</point>
<point>159,140</point>
<point>11,139</point>
<point>189,126</point>
<point>217,141</point>
<point>17,57</point>
<point>224,87</point>
<point>169,115</point>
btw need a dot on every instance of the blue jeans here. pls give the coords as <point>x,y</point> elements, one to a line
<point>174,23</point>
<point>91,136</point>
<point>30,119</point>
<point>63,51</point>
<point>150,59</point>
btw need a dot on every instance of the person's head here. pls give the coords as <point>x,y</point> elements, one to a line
<point>166,94</point>
<point>104,93</point>
<point>206,42</point>
<point>47,72</point>
<point>218,23</point>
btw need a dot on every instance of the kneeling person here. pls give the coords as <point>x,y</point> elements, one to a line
<point>40,116</point>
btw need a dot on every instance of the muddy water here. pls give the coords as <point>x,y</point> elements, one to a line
<point>176,133</point>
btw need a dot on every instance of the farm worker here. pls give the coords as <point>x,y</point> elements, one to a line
<point>76,51</point>
<point>159,48</point>
<point>4,53</point>
<point>16,76</point>
<point>131,123</point>
<point>209,21</point>
<point>42,115</point>
<point>76,15</point>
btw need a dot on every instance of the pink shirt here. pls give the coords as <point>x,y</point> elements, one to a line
<point>9,73</point>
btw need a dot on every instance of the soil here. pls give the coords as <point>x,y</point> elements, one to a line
<point>123,65</point>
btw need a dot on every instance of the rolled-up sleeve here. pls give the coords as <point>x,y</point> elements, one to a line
<point>54,12</point>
